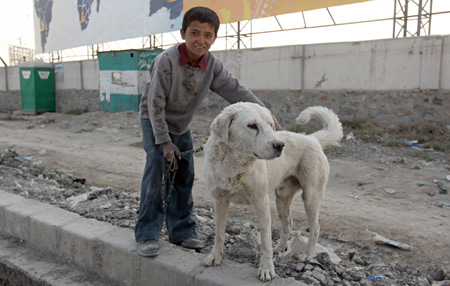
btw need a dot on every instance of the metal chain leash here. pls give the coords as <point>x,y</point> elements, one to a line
<point>170,170</point>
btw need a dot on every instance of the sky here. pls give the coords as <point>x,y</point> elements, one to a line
<point>16,27</point>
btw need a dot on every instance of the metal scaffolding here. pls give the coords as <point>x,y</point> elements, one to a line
<point>153,41</point>
<point>18,55</point>
<point>56,56</point>
<point>238,35</point>
<point>412,18</point>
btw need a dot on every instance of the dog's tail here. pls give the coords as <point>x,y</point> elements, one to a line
<point>331,133</point>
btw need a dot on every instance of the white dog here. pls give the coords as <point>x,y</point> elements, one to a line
<point>245,159</point>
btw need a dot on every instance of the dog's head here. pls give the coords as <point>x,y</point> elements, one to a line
<point>249,129</point>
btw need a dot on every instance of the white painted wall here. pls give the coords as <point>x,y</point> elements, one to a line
<point>391,64</point>
<point>90,74</point>
<point>3,80</point>
<point>444,79</point>
<point>71,76</point>
<point>13,78</point>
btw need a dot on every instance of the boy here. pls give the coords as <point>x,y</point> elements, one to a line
<point>180,78</point>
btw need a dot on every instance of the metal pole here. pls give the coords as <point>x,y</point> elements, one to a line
<point>431,14</point>
<point>6,79</point>
<point>395,19</point>
<point>251,34</point>
<point>3,62</point>
<point>405,20</point>
<point>239,35</point>
<point>419,18</point>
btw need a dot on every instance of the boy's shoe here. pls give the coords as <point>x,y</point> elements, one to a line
<point>148,248</point>
<point>192,243</point>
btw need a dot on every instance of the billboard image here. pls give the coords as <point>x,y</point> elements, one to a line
<point>237,10</point>
<point>75,23</point>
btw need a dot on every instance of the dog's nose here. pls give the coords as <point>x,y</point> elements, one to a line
<point>278,146</point>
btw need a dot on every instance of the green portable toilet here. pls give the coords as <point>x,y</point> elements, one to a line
<point>122,76</point>
<point>37,87</point>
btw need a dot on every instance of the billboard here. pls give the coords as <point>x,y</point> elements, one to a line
<point>68,24</point>
<point>237,10</point>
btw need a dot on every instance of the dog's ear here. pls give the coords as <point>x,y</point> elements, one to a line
<point>221,125</point>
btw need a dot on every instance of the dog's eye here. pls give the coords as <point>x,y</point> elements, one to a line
<point>252,126</point>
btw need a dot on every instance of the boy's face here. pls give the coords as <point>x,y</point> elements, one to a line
<point>199,37</point>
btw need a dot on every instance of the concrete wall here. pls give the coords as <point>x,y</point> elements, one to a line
<point>444,79</point>
<point>76,87</point>
<point>77,75</point>
<point>9,79</point>
<point>409,63</point>
<point>372,74</point>
<point>4,80</point>
<point>10,89</point>
<point>393,64</point>
<point>10,101</point>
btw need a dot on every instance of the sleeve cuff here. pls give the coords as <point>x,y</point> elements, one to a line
<point>162,138</point>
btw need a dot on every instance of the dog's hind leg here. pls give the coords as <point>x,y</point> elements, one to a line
<point>284,196</point>
<point>312,197</point>
<point>221,207</point>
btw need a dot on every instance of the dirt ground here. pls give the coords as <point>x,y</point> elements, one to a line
<point>378,185</point>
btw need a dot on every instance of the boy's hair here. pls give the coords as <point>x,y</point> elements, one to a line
<point>203,15</point>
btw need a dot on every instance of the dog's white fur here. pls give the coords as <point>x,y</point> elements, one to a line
<point>245,160</point>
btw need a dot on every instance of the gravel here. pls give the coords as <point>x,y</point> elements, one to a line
<point>371,264</point>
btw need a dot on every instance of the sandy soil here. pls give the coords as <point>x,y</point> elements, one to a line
<point>371,186</point>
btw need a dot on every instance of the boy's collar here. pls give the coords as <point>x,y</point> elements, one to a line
<point>184,58</point>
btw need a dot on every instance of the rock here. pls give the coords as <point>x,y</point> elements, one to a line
<point>355,275</point>
<point>244,252</point>
<point>401,267</point>
<point>436,273</point>
<point>319,276</point>
<point>123,195</point>
<point>300,266</point>
<point>423,282</point>
<point>232,230</point>
<point>346,283</point>
<point>323,258</point>
<point>346,276</point>
<point>359,261</point>
<point>336,280</point>
<point>101,217</point>
<point>339,270</point>
<point>309,267</point>
<point>308,278</point>
<point>351,275</point>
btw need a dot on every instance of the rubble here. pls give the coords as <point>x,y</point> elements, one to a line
<point>370,265</point>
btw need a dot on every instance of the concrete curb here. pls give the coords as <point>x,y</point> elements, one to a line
<point>111,251</point>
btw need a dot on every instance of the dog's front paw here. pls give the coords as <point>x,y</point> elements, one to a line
<point>266,272</point>
<point>212,259</point>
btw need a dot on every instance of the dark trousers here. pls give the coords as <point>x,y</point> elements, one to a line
<point>179,219</point>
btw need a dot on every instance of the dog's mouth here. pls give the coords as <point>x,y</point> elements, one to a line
<point>278,154</point>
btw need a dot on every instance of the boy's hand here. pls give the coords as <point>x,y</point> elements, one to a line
<point>169,150</point>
